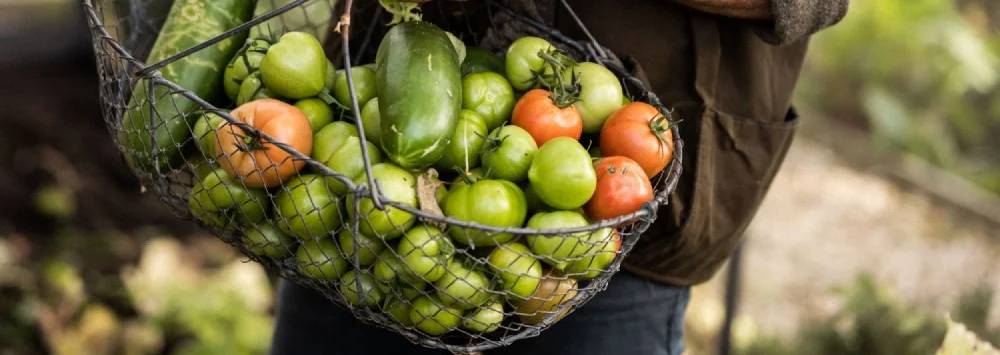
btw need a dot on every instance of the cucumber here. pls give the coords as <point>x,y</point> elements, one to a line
<point>154,141</point>
<point>419,93</point>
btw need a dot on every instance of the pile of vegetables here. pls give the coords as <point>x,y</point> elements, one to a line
<point>510,134</point>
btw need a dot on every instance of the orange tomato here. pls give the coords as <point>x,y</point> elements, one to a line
<point>640,132</point>
<point>544,120</point>
<point>622,188</point>
<point>253,160</point>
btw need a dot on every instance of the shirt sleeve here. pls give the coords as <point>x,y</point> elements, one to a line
<point>795,19</point>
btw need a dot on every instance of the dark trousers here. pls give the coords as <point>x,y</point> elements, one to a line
<point>633,316</point>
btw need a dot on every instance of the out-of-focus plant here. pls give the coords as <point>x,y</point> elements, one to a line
<point>873,321</point>
<point>926,78</point>
<point>179,299</point>
<point>224,311</point>
<point>973,310</point>
<point>960,341</point>
<point>56,201</point>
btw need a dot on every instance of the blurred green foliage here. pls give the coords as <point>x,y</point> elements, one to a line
<point>56,201</point>
<point>186,298</point>
<point>217,311</point>
<point>923,76</point>
<point>960,341</point>
<point>872,321</point>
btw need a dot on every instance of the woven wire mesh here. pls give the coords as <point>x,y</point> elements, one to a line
<point>390,260</point>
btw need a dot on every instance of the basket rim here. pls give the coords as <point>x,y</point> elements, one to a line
<point>635,223</point>
<point>648,210</point>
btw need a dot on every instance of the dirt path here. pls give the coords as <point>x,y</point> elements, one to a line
<point>824,222</point>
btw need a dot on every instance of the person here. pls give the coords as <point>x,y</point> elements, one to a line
<point>728,68</point>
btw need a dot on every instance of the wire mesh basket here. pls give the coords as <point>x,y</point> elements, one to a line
<point>388,254</point>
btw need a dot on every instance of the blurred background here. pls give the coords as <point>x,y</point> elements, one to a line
<point>882,227</point>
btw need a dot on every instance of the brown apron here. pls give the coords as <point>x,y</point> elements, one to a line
<point>733,92</point>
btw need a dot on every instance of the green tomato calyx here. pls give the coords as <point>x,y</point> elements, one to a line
<point>551,77</point>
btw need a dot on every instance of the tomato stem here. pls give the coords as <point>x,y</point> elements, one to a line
<point>550,77</point>
<point>660,125</point>
<point>325,96</point>
<point>248,142</point>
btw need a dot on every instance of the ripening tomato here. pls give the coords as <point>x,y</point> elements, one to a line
<point>622,188</point>
<point>538,114</point>
<point>553,291</point>
<point>640,132</point>
<point>600,95</point>
<point>253,160</point>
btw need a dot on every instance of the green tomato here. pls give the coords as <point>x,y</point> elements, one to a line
<point>331,76</point>
<point>200,167</point>
<point>466,177</point>
<point>562,174</point>
<point>251,89</point>
<point>593,263</point>
<point>432,317</point>
<point>395,184</point>
<point>219,200</point>
<point>484,319</point>
<point>496,203</point>
<point>517,268</point>
<point>369,290</point>
<point>441,193</point>
<point>339,148</point>
<point>522,61</point>
<point>600,95</point>
<point>246,61</point>
<point>490,95</point>
<point>320,260</point>
<point>308,208</point>
<point>479,60</point>
<point>389,268</point>
<point>535,204</point>
<point>204,133</point>
<point>508,153</point>
<point>371,121</point>
<point>383,287</point>
<point>317,112</point>
<point>368,247</point>
<point>462,287</point>
<point>399,311</point>
<point>295,67</point>
<point>411,292</point>
<point>561,249</point>
<point>364,86</point>
<point>426,251</point>
<point>466,144</point>
<point>266,240</point>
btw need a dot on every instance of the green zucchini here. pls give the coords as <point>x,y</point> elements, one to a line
<point>420,93</point>
<point>154,141</point>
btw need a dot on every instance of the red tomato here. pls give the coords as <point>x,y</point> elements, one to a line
<point>251,159</point>
<point>544,120</point>
<point>622,188</point>
<point>639,131</point>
